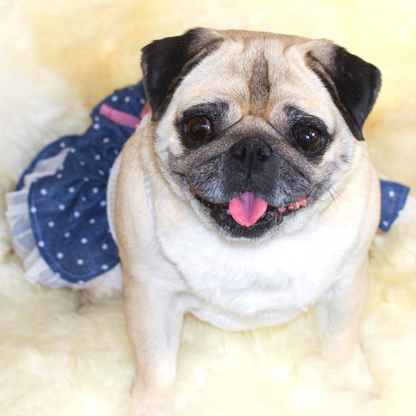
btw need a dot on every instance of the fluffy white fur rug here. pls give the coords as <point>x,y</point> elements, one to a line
<point>57,59</point>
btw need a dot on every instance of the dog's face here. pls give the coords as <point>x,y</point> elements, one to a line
<point>252,127</point>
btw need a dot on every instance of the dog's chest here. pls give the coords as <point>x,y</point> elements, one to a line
<point>241,286</point>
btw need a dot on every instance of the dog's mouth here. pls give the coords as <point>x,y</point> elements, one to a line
<point>248,215</point>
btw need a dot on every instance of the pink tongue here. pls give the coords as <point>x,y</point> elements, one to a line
<point>247,208</point>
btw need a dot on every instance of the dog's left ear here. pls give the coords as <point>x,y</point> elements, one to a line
<point>352,83</point>
<point>166,62</point>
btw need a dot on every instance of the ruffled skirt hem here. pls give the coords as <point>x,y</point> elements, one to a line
<point>24,243</point>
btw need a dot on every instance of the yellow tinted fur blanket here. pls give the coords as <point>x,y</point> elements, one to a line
<point>58,58</point>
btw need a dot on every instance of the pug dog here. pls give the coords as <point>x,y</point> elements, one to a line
<point>247,196</point>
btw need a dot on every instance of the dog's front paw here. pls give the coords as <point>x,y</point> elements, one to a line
<point>150,405</point>
<point>150,402</point>
<point>354,375</point>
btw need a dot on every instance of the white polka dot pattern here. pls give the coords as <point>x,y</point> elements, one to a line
<point>69,206</point>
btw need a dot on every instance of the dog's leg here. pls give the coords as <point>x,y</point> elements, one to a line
<point>338,317</point>
<point>154,320</point>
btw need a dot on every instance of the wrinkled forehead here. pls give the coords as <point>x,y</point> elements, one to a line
<point>256,77</point>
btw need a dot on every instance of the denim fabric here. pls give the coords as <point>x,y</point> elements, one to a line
<point>68,210</point>
<point>393,198</point>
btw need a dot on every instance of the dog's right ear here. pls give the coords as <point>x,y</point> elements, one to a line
<point>166,62</point>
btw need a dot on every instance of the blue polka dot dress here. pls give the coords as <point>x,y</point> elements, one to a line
<point>59,216</point>
<point>58,213</point>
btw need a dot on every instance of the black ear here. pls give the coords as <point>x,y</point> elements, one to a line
<point>353,84</point>
<point>166,62</point>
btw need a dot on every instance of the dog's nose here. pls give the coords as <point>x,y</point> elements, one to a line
<point>251,150</point>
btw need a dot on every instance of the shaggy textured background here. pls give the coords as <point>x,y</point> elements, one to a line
<point>57,59</point>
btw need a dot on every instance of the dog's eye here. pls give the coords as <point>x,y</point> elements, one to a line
<point>198,128</point>
<point>308,138</point>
